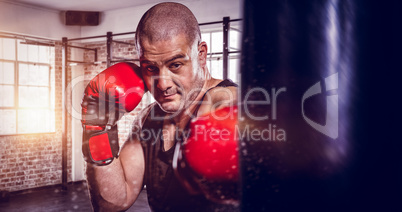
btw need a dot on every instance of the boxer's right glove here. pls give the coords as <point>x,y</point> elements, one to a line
<point>207,162</point>
<point>110,94</point>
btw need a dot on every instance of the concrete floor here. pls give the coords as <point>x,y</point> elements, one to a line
<point>53,198</point>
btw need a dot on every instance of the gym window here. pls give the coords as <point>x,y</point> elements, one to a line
<point>27,87</point>
<point>214,40</point>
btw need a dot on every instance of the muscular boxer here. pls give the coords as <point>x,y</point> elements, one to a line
<point>173,68</point>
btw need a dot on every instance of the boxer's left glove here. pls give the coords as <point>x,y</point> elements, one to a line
<point>110,94</point>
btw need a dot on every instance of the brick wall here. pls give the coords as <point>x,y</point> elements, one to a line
<point>34,160</point>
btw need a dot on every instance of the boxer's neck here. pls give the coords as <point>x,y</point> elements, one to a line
<point>181,119</point>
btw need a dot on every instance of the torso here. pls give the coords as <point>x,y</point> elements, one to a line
<point>165,193</point>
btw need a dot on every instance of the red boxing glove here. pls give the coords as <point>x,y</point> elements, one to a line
<point>110,94</point>
<point>211,150</point>
<point>208,161</point>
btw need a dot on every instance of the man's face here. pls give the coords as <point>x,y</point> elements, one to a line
<point>170,72</point>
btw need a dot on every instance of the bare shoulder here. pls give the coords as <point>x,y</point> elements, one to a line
<point>223,95</point>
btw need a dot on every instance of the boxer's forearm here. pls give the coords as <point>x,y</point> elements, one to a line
<point>116,186</point>
<point>107,186</point>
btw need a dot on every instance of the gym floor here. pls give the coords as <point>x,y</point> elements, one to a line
<point>53,198</point>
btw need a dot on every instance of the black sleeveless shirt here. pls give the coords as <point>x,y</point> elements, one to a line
<point>165,192</point>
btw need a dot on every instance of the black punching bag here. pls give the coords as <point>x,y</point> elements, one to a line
<point>312,126</point>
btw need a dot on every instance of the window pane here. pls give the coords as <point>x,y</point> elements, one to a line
<point>33,53</point>
<point>217,42</point>
<point>207,38</point>
<point>217,69</point>
<point>234,40</point>
<point>33,75</point>
<point>6,73</point>
<point>44,54</point>
<point>42,77</point>
<point>51,121</point>
<point>22,51</point>
<point>8,122</point>
<point>34,121</point>
<point>30,53</point>
<point>234,69</point>
<point>6,95</point>
<point>30,96</point>
<point>23,76</point>
<point>8,49</point>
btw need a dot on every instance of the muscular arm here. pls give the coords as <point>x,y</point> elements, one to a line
<point>116,186</point>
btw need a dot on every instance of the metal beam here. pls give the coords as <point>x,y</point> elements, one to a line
<point>122,42</point>
<point>109,40</point>
<point>127,33</point>
<point>22,37</point>
<point>124,60</point>
<point>84,38</point>
<point>80,47</point>
<point>226,25</point>
<point>64,114</point>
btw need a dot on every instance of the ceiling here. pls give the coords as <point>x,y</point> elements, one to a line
<point>85,5</point>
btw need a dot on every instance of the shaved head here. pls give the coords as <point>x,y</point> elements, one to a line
<point>164,21</point>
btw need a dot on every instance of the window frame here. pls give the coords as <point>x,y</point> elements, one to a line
<point>51,87</point>
<point>217,55</point>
